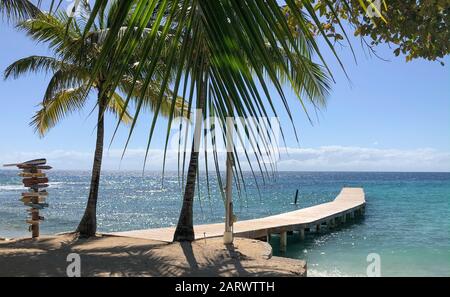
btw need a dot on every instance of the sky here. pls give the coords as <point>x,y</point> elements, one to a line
<point>387,116</point>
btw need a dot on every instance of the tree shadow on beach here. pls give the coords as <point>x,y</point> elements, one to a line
<point>112,256</point>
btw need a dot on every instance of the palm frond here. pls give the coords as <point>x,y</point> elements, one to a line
<point>66,77</point>
<point>18,9</point>
<point>53,30</point>
<point>54,110</point>
<point>243,47</point>
<point>151,95</point>
<point>116,105</point>
<point>31,64</point>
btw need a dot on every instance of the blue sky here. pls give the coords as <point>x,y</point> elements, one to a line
<point>390,116</point>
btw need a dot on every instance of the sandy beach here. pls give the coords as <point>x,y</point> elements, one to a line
<point>124,256</point>
<point>218,139</point>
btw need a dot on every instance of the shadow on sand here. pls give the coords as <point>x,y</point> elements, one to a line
<point>122,256</point>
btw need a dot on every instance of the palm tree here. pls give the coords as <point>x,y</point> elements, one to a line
<point>75,77</point>
<point>222,77</point>
<point>220,51</point>
<point>305,77</point>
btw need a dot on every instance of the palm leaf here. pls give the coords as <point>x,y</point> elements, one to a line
<point>55,109</point>
<point>117,106</point>
<point>257,49</point>
<point>31,64</point>
<point>19,9</point>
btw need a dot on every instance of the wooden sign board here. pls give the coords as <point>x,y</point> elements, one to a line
<point>35,180</point>
<point>40,161</point>
<point>35,162</point>
<point>39,186</point>
<point>42,167</point>
<point>37,205</point>
<point>27,200</point>
<point>36,218</point>
<point>29,174</point>
<point>35,194</point>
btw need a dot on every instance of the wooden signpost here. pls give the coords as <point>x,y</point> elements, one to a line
<point>35,179</point>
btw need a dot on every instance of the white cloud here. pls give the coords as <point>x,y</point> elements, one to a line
<point>341,158</point>
<point>326,158</point>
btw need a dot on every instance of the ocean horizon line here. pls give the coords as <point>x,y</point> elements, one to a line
<point>244,171</point>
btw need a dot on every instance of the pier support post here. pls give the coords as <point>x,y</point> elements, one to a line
<point>318,228</point>
<point>283,241</point>
<point>330,224</point>
<point>302,234</point>
<point>344,218</point>
<point>229,220</point>
<point>352,215</point>
<point>268,236</point>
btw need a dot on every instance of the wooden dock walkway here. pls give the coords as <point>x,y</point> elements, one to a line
<point>349,203</point>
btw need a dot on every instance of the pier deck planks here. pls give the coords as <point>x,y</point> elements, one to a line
<point>348,201</point>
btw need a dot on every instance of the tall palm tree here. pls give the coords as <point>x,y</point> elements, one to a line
<point>221,61</point>
<point>75,77</point>
<point>304,76</point>
<point>220,51</point>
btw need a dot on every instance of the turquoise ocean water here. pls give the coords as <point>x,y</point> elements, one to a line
<point>407,221</point>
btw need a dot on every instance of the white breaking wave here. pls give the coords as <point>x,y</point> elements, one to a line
<point>53,185</point>
<point>334,273</point>
<point>11,187</point>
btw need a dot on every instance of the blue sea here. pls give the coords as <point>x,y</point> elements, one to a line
<point>407,221</point>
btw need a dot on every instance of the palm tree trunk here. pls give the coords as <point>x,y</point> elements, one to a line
<point>88,224</point>
<point>185,226</point>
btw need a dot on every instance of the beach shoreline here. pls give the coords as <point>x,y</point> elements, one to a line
<point>128,202</point>
<point>107,255</point>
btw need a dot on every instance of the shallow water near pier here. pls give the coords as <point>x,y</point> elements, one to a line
<point>406,222</point>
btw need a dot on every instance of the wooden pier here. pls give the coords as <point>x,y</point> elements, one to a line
<point>350,203</point>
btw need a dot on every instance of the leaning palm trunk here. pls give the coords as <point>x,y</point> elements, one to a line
<point>185,226</point>
<point>88,224</point>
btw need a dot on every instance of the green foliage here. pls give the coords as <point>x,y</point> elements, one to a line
<point>225,49</point>
<point>417,29</point>
<point>14,10</point>
<point>76,52</point>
